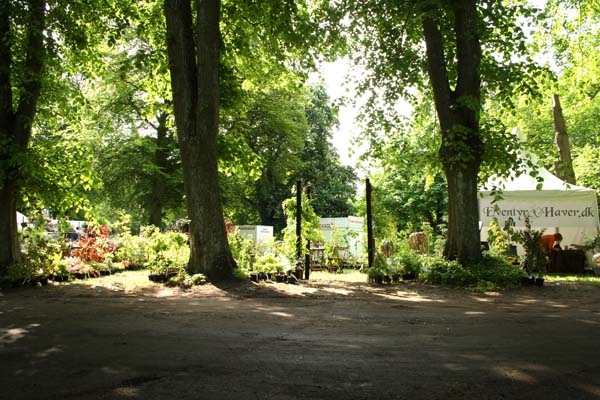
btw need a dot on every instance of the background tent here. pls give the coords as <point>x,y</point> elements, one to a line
<point>570,209</point>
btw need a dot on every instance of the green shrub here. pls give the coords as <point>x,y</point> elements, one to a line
<point>407,262</point>
<point>186,281</point>
<point>531,239</point>
<point>271,263</point>
<point>244,252</point>
<point>131,249</point>
<point>497,272</point>
<point>166,252</point>
<point>40,255</point>
<point>440,271</point>
<point>491,273</point>
<point>379,268</point>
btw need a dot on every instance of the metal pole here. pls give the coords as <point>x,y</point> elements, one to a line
<point>298,221</point>
<point>307,255</point>
<point>370,238</point>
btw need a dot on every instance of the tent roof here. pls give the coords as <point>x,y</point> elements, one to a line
<point>526,182</point>
<point>544,181</point>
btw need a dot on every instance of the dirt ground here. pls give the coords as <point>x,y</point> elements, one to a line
<point>122,337</point>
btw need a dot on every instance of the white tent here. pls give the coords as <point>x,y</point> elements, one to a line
<point>556,206</point>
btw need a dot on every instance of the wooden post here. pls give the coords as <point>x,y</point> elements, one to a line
<point>298,222</point>
<point>307,256</point>
<point>370,238</point>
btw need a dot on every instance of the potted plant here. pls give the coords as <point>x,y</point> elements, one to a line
<point>378,270</point>
<point>534,261</point>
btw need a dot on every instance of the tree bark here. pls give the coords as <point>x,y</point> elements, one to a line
<point>16,126</point>
<point>563,168</point>
<point>160,161</point>
<point>195,88</point>
<point>458,113</point>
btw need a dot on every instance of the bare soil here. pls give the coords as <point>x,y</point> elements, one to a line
<point>123,337</point>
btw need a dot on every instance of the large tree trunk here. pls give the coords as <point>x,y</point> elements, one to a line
<point>160,160</point>
<point>458,113</point>
<point>9,239</point>
<point>564,167</point>
<point>15,126</point>
<point>196,103</point>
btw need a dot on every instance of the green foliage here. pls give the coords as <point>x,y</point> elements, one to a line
<point>494,271</point>
<point>407,262</point>
<point>586,165</point>
<point>379,269</point>
<point>592,244</point>
<point>440,271</point>
<point>270,262</point>
<point>531,240</point>
<point>41,253</point>
<point>132,249</point>
<point>499,239</point>
<point>186,281</point>
<point>332,184</point>
<point>278,136</point>
<point>311,226</point>
<point>166,252</point>
<point>244,252</point>
<point>405,195</point>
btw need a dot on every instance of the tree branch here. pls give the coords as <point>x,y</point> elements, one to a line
<point>436,63</point>
<point>6,109</point>
<point>34,62</point>
<point>182,64</point>
<point>468,54</point>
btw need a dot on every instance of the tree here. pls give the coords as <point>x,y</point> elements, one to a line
<point>38,76</point>
<point>22,55</point>
<point>194,64</point>
<point>129,107</point>
<point>465,41</point>
<point>283,136</point>
<point>569,33</point>
<point>564,166</point>
<point>333,185</point>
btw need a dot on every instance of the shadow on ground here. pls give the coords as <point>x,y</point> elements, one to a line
<point>120,339</point>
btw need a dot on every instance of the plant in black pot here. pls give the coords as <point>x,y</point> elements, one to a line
<point>534,260</point>
<point>410,265</point>
<point>378,270</point>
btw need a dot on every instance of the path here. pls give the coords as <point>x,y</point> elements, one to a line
<point>128,339</point>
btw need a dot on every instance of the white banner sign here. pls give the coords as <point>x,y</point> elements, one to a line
<point>540,213</point>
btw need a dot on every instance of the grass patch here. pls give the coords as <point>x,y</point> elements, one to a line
<point>573,279</point>
<point>347,275</point>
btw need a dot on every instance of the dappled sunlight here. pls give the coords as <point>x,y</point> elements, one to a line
<point>474,313</point>
<point>354,276</point>
<point>588,321</point>
<point>455,367</point>
<point>558,305</point>
<point>344,292</point>
<point>281,314</point>
<point>12,334</point>
<point>127,392</point>
<point>473,357</point>
<point>408,296</point>
<point>482,299</point>
<point>48,352</point>
<point>514,374</point>
<point>594,390</point>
